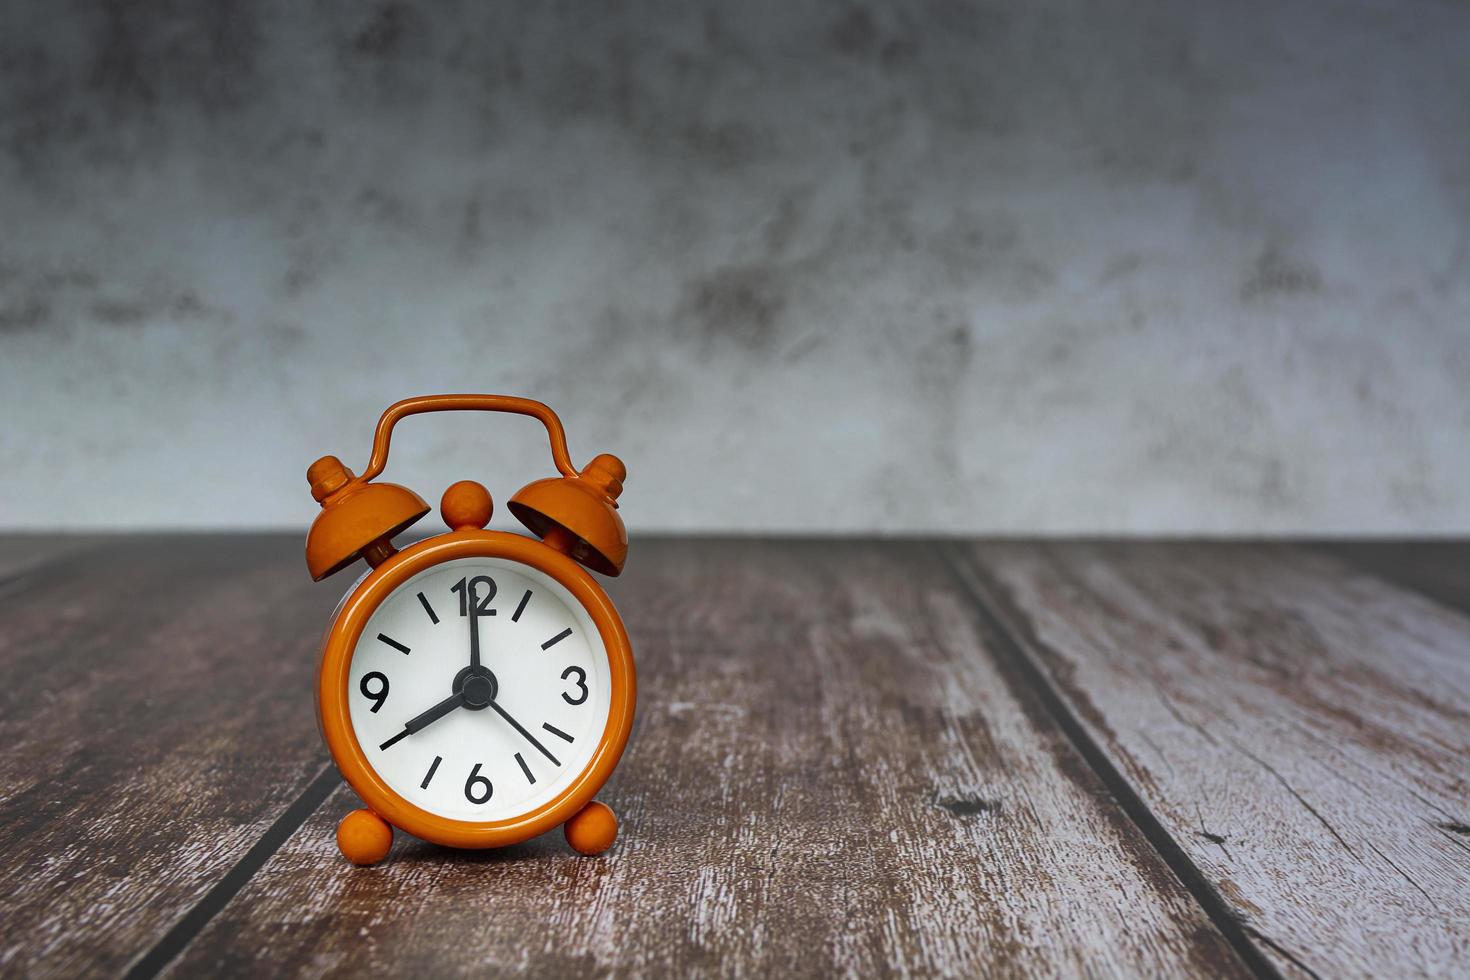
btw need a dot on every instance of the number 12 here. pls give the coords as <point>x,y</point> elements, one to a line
<point>469,588</point>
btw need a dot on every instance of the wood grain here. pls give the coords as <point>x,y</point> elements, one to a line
<point>156,714</point>
<point>829,775</point>
<point>1301,728</point>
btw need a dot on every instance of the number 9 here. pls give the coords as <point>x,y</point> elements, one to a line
<point>378,696</point>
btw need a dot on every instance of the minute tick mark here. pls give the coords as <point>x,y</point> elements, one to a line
<point>557,731</point>
<point>393,643</point>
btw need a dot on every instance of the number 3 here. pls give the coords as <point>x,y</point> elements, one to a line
<point>581,683</point>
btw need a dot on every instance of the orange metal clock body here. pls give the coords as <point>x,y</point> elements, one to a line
<point>574,513</point>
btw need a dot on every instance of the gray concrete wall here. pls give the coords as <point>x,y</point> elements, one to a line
<point>1044,267</point>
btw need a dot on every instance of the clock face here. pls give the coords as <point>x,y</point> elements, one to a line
<point>487,727</point>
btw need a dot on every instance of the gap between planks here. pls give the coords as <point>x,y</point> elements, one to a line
<point>191,923</point>
<point>1005,646</point>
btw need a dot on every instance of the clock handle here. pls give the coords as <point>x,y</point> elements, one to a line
<point>575,512</point>
<point>468,403</point>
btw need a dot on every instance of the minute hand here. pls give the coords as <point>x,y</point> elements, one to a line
<point>474,624</point>
<point>524,734</point>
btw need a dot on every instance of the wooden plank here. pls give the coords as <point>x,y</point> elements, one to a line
<point>23,553</point>
<point>1440,569</point>
<point>829,775</point>
<point>156,714</point>
<point>1301,728</point>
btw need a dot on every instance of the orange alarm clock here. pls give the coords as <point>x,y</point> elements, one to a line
<point>475,689</point>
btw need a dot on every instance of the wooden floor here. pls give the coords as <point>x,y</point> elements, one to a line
<point>851,757</point>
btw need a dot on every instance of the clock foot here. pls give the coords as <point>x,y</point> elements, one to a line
<point>364,837</point>
<point>592,830</point>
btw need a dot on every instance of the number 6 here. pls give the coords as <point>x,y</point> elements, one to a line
<point>469,785</point>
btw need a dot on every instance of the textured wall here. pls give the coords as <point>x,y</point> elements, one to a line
<point>1041,267</point>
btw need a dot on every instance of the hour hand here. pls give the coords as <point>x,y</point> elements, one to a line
<point>420,722</point>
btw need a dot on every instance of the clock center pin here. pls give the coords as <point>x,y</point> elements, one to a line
<point>479,690</point>
<point>477,685</point>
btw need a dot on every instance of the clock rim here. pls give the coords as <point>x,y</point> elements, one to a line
<point>345,629</point>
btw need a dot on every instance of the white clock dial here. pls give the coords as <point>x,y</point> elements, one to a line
<point>489,742</point>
